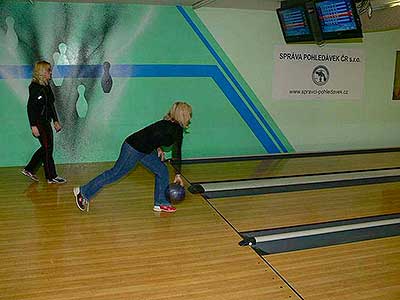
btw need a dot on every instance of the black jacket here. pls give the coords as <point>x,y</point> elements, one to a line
<point>41,104</point>
<point>162,133</point>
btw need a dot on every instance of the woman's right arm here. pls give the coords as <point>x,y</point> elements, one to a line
<point>35,131</point>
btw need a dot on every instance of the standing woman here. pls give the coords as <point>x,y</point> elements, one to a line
<point>41,112</point>
<point>141,147</point>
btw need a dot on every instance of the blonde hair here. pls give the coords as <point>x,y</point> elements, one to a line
<point>39,70</point>
<point>180,112</point>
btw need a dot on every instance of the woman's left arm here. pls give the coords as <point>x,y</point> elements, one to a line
<point>177,159</point>
<point>178,179</point>
<point>54,116</point>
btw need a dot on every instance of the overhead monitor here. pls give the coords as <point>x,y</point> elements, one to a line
<point>338,19</point>
<point>294,23</point>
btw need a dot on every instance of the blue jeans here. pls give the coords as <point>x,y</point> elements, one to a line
<point>127,160</point>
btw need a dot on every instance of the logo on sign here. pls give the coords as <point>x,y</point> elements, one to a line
<point>320,75</point>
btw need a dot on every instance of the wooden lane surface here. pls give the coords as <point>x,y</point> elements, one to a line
<point>248,213</point>
<point>209,172</point>
<point>355,271</point>
<point>121,249</point>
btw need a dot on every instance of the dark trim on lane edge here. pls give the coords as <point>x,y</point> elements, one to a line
<point>319,240</point>
<point>288,155</point>
<point>299,187</point>
<point>296,175</point>
<point>327,239</point>
<point>264,232</point>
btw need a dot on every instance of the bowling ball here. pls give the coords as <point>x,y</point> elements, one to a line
<point>175,192</point>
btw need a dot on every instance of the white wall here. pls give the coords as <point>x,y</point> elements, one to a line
<point>248,38</point>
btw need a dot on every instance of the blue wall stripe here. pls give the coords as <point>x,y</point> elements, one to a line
<point>230,75</point>
<point>162,70</point>
<point>15,72</point>
<point>137,71</point>
<point>96,71</point>
<point>245,113</point>
<point>126,71</point>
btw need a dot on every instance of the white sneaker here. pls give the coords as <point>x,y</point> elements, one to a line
<point>30,175</point>
<point>58,179</point>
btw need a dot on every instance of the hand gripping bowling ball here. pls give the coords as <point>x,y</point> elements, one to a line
<point>175,192</point>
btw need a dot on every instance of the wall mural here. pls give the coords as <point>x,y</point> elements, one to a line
<point>96,50</point>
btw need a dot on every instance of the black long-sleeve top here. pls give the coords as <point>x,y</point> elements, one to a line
<point>41,104</point>
<point>159,134</point>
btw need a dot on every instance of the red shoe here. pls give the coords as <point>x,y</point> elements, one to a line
<point>164,208</point>
<point>81,202</point>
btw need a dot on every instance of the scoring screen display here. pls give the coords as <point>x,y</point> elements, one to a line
<point>336,15</point>
<point>294,22</point>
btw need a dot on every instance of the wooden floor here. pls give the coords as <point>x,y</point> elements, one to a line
<point>250,213</point>
<point>122,249</point>
<point>360,270</point>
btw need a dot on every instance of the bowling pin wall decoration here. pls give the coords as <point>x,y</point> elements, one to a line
<point>81,105</point>
<point>106,79</point>
<point>11,41</point>
<point>60,58</point>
